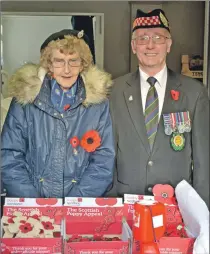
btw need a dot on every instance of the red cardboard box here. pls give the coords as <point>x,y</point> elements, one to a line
<point>32,245</point>
<point>167,245</point>
<point>32,225</point>
<point>94,225</point>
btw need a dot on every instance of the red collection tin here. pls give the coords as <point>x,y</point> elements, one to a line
<point>149,224</point>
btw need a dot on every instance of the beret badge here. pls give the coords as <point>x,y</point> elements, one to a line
<point>80,34</point>
<point>164,20</point>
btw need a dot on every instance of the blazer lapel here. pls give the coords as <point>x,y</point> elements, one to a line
<point>134,103</point>
<point>169,105</point>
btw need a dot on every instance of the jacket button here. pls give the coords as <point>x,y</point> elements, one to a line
<point>150,189</point>
<point>150,163</point>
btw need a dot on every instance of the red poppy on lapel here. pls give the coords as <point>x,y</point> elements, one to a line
<point>90,141</point>
<point>74,141</point>
<point>175,95</point>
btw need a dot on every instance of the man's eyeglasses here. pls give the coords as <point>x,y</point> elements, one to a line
<point>144,39</point>
<point>58,63</point>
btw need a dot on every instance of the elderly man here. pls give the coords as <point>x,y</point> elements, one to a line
<point>160,117</point>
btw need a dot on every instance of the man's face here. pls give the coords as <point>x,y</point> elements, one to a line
<point>151,55</point>
<point>65,68</point>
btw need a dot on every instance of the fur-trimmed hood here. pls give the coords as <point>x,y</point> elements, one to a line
<point>26,83</point>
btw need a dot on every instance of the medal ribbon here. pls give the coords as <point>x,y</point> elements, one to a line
<point>173,118</point>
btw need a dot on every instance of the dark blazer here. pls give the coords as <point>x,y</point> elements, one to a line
<point>137,168</point>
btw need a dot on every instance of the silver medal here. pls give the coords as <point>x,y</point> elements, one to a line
<point>168,130</point>
<point>187,128</point>
<point>181,128</point>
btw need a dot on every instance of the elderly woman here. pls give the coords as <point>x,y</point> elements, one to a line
<point>57,138</point>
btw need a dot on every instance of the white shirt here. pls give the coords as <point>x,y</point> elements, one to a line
<point>160,86</point>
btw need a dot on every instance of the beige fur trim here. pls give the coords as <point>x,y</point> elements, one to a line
<point>97,84</point>
<point>26,83</point>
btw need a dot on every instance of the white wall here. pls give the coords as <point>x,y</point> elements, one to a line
<point>116,25</point>
<point>23,36</point>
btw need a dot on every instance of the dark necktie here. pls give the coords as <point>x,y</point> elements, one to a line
<point>151,111</point>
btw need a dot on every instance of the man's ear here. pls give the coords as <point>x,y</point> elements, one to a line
<point>169,43</point>
<point>133,46</point>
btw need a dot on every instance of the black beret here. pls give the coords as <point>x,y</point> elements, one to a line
<point>60,35</point>
<point>155,18</point>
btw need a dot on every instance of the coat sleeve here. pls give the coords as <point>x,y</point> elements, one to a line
<point>99,174</point>
<point>14,141</point>
<point>200,146</point>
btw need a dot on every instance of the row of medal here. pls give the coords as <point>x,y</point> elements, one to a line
<point>177,122</point>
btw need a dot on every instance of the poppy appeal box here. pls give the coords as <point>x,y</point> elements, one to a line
<point>175,240</point>
<point>94,226</point>
<point>31,225</point>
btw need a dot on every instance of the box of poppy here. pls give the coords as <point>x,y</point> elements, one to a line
<point>27,222</point>
<point>175,239</point>
<point>94,225</point>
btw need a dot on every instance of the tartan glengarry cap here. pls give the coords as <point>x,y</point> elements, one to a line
<point>155,18</point>
<point>60,35</point>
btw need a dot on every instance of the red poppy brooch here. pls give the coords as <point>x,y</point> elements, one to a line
<point>66,107</point>
<point>74,142</point>
<point>175,95</point>
<point>90,141</point>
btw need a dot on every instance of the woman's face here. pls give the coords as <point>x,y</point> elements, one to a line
<point>65,68</point>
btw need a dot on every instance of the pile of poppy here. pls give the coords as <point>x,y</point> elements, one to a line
<point>33,226</point>
<point>175,230</point>
<point>94,238</point>
<point>174,225</point>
